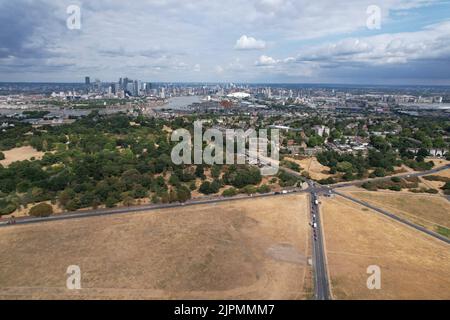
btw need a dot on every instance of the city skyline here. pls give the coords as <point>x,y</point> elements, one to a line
<point>260,41</point>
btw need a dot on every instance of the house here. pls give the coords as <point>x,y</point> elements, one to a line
<point>321,130</point>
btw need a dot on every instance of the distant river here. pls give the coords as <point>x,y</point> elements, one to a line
<point>180,103</point>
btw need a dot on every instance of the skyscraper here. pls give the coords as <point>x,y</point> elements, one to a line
<point>87,81</point>
<point>136,88</point>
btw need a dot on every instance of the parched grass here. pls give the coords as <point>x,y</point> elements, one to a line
<point>236,250</point>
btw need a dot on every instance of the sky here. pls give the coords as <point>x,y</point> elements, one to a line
<point>255,41</point>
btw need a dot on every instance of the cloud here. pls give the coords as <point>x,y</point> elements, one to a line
<point>265,61</point>
<point>430,43</point>
<point>249,43</point>
<point>21,34</point>
<point>406,57</point>
<point>168,40</point>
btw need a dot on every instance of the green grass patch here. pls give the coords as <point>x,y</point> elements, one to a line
<point>443,231</point>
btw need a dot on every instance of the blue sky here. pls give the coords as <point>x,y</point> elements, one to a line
<point>287,41</point>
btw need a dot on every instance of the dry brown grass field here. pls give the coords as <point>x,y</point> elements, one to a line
<point>249,249</point>
<point>20,154</point>
<point>426,210</point>
<point>413,265</point>
<point>313,167</point>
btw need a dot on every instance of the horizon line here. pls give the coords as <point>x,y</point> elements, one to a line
<point>241,83</point>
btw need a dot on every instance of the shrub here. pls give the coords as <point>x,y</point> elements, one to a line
<point>183,194</point>
<point>111,202</point>
<point>192,186</point>
<point>437,178</point>
<point>327,181</point>
<point>156,199</point>
<point>370,186</point>
<point>230,192</point>
<point>291,165</point>
<point>380,172</point>
<point>395,188</point>
<point>6,207</point>
<point>2,156</point>
<point>263,189</point>
<point>41,210</point>
<point>396,179</point>
<point>210,187</point>
<point>248,189</point>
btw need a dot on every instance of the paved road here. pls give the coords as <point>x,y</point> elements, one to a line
<point>321,282</point>
<point>395,217</point>
<point>105,212</point>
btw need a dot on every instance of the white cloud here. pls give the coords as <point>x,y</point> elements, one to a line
<point>433,42</point>
<point>249,43</point>
<point>265,61</point>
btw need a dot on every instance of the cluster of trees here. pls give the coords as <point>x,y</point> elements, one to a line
<point>287,180</point>
<point>240,176</point>
<point>351,166</point>
<point>99,160</point>
<point>107,160</point>
<point>394,184</point>
<point>14,136</point>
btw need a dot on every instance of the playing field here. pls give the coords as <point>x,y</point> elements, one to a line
<point>249,249</point>
<point>413,265</point>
